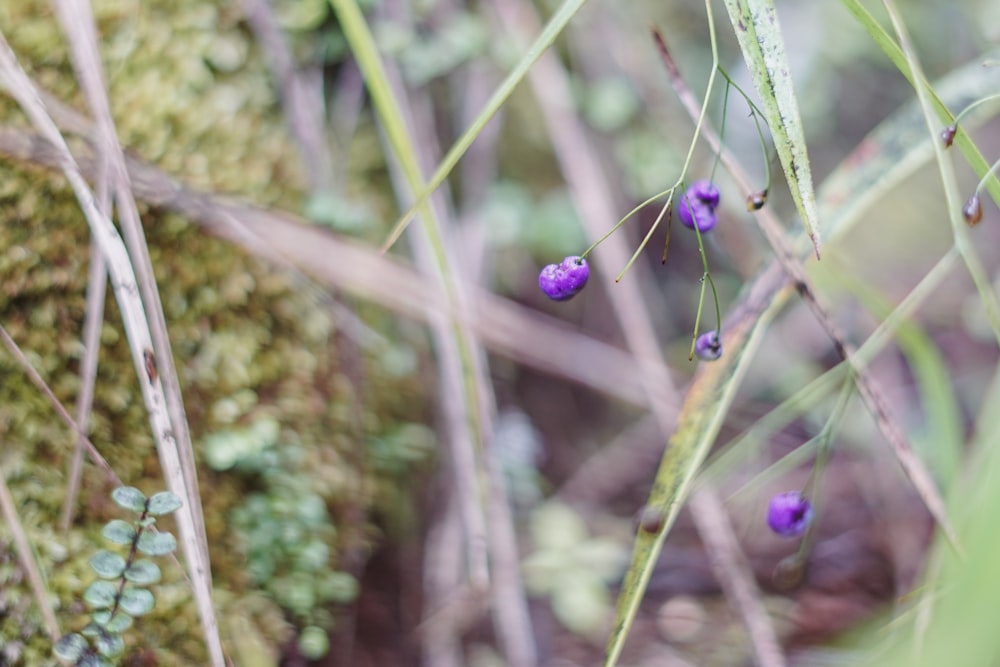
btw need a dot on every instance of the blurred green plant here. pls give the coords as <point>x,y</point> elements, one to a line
<point>572,568</point>
<point>287,535</point>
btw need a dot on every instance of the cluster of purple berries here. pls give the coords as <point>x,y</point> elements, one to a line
<point>698,205</point>
<point>789,513</point>
<point>563,281</point>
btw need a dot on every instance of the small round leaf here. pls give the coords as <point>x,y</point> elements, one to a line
<point>70,647</point>
<point>314,642</point>
<point>157,544</point>
<point>102,619</point>
<point>100,594</point>
<point>120,623</point>
<point>93,660</point>
<point>130,498</point>
<point>118,531</point>
<point>107,565</point>
<point>136,601</point>
<point>110,645</point>
<point>143,572</point>
<point>92,629</point>
<point>163,502</point>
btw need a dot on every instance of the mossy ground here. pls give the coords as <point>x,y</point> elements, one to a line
<point>191,94</point>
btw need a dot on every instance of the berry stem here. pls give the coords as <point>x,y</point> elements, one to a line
<point>706,277</point>
<point>989,173</point>
<point>645,239</point>
<point>756,114</point>
<point>668,193</point>
<point>722,130</point>
<point>671,65</point>
<point>969,108</point>
<point>824,440</point>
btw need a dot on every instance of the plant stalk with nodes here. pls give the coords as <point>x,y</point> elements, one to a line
<point>118,596</point>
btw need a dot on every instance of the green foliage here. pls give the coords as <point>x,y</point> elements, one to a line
<point>572,568</point>
<point>285,530</point>
<point>116,604</point>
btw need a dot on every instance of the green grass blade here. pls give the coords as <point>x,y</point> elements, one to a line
<point>756,25</point>
<point>963,239</point>
<point>457,342</point>
<point>897,148</point>
<point>701,416</point>
<point>893,51</point>
<point>548,35</point>
<point>362,44</point>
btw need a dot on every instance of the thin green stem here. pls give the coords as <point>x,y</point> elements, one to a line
<point>824,439</point>
<point>687,159</point>
<point>968,109</point>
<point>756,114</point>
<point>706,277</point>
<point>722,131</point>
<point>963,243</point>
<point>666,193</point>
<point>987,175</point>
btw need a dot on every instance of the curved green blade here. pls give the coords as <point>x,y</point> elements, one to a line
<point>756,25</point>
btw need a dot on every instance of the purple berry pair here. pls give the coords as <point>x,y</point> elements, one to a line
<point>789,514</point>
<point>698,205</point>
<point>564,280</point>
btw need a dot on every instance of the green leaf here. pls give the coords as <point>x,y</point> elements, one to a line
<point>93,661</point>
<point>143,572</point>
<point>107,565</point>
<point>129,498</point>
<point>162,503</point>
<point>136,601</point>
<point>119,532</point>
<point>119,624</point>
<point>759,35</point>
<point>100,595</point>
<point>157,544</point>
<point>110,645</point>
<point>314,643</point>
<point>339,587</point>
<point>70,647</point>
<point>93,629</point>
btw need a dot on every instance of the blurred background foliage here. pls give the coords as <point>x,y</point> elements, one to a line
<point>314,412</point>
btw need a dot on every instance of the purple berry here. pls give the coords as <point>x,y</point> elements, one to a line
<point>789,514</point>
<point>708,347</point>
<point>562,281</point>
<point>704,191</point>
<point>699,203</point>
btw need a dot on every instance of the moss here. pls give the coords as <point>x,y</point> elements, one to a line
<point>190,93</point>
